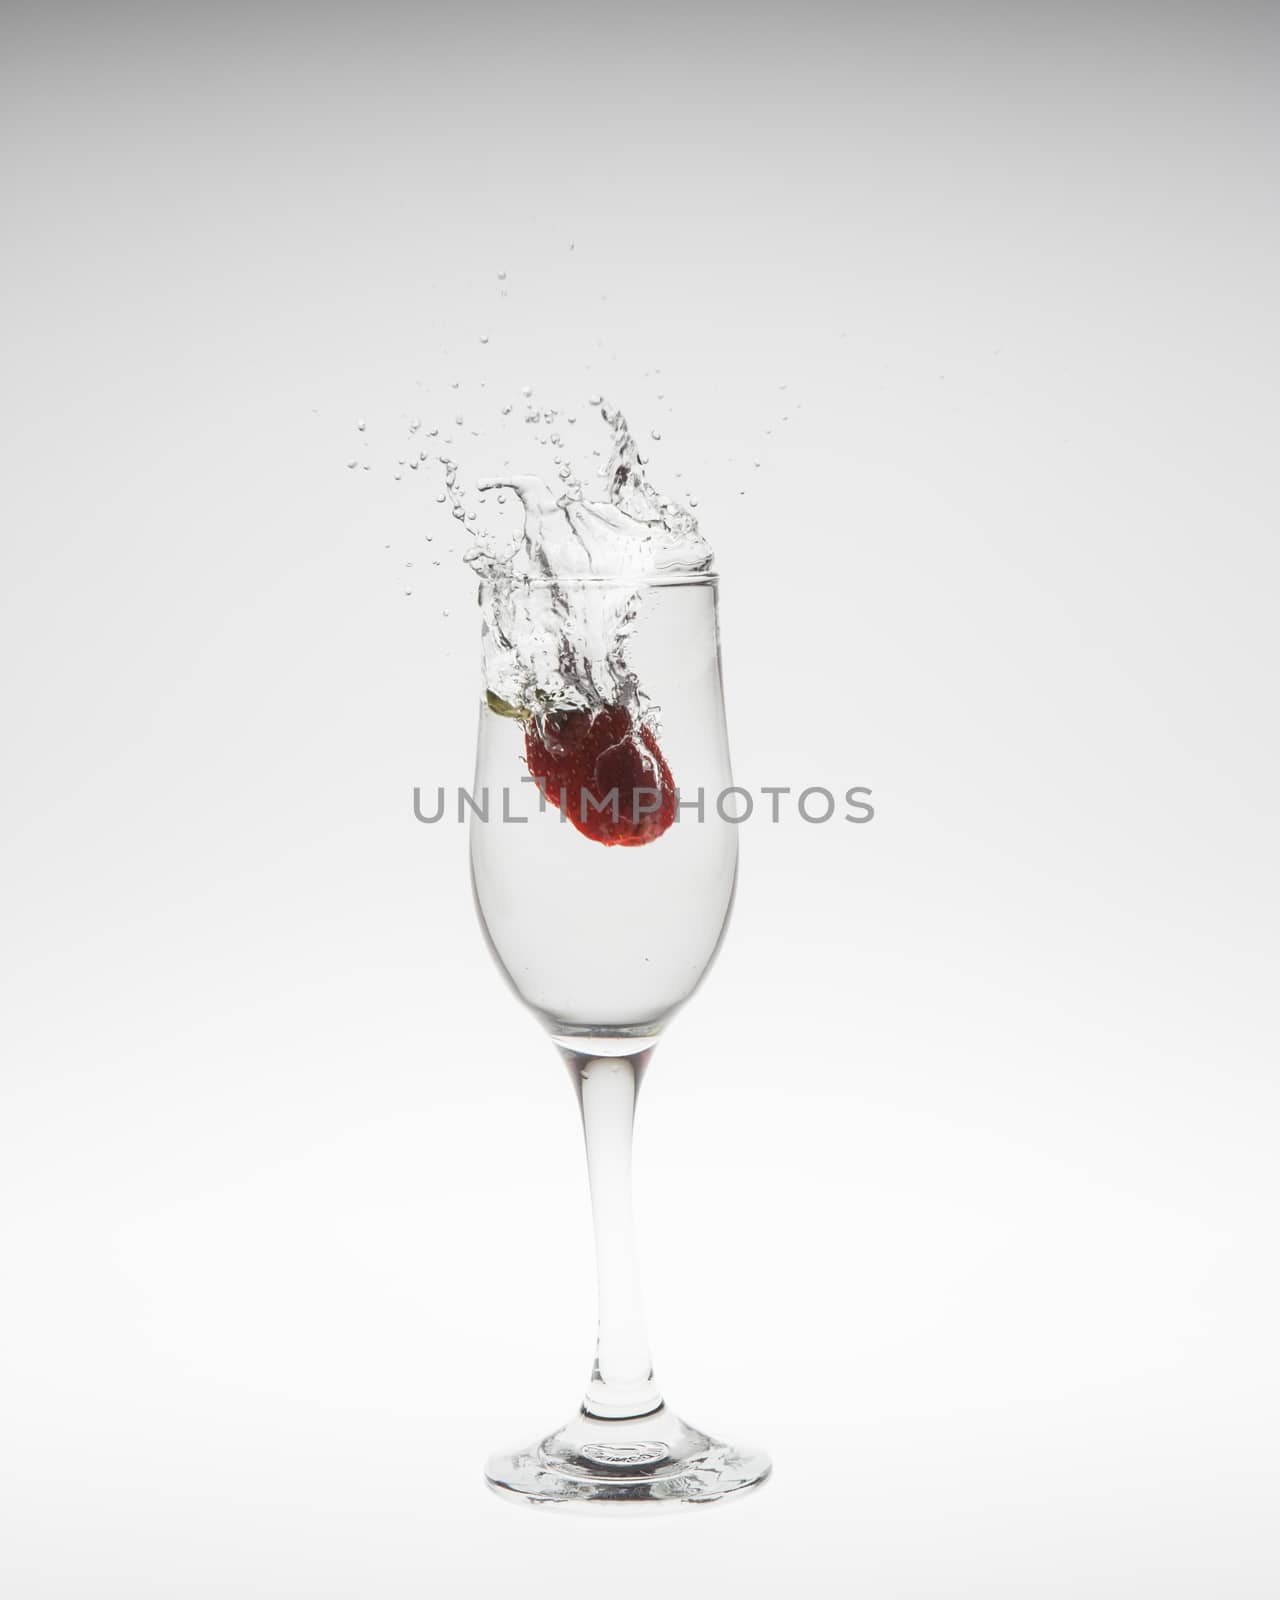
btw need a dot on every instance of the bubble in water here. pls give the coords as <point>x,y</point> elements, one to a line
<point>654,434</point>
<point>433,433</point>
<point>397,475</point>
<point>502,277</point>
<point>353,463</point>
<point>457,421</point>
<point>594,400</point>
<point>440,499</point>
<point>366,466</point>
<point>484,338</point>
<point>413,466</point>
<point>502,499</point>
<point>408,563</point>
<point>408,591</point>
<point>359,424</point>
<point>422,455</point>
<point>414,424</point>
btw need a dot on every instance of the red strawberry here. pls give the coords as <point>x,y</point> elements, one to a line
<point>605,771</point>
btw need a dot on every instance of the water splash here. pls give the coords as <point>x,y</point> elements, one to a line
<point>550,642</point>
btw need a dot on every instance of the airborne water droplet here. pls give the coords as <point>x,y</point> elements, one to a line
<point>501,275</point>
<point>360,425</point>
<point>527,390</point>
<point>654,434</point>
<point>440,499</point>
<point>484,338</point>
<point>594,400</point>
<point>352,463</point>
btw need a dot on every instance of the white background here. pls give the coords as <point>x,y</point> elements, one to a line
<point>957,1181</point>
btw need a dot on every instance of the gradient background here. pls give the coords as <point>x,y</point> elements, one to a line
<point>958,1182</point>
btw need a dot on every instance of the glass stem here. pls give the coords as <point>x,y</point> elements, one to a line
<point>622,1378</point>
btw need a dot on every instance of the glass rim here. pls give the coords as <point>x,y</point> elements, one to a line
<point>594,580</point>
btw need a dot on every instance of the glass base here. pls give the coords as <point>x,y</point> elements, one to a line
<point>655,1460</point>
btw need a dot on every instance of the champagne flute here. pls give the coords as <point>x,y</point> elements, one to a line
<point>604,944</point>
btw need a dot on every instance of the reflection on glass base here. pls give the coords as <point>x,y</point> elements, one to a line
<point>655,1461</point>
